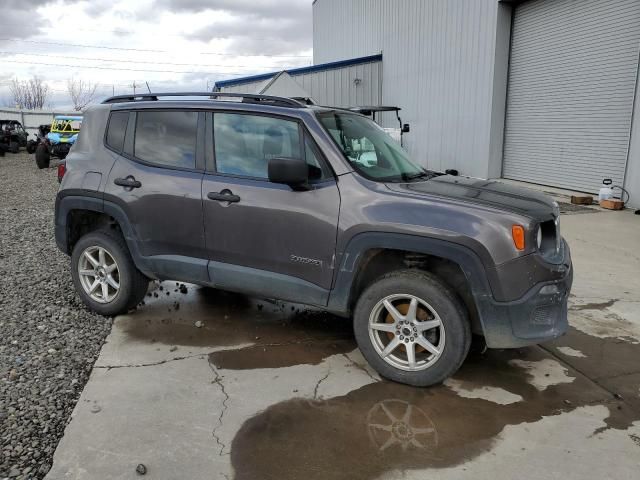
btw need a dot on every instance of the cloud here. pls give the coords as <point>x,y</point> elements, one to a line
<point>264,37</point>
<point>268,27</point>
<point>96,8</point>
<point>20,19</point>
<point>274,9</point>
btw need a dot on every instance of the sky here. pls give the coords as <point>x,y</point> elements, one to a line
<point>183,45</point>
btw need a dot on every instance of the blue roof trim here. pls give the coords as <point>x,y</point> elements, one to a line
<point>299,71</point>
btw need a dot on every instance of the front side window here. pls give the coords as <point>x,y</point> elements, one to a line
<point>244,144</point>
<point>167,138</point>
<point>369,149</point>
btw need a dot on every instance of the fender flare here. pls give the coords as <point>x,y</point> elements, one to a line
<point>94,202</point>
<point>345,276</point>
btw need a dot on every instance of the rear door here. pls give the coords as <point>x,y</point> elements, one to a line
<point>157,181</point>
<point>269,239</point>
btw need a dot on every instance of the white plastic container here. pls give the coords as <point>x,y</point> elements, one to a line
<point>606,192</point>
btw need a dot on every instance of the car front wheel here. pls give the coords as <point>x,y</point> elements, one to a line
<point>104,274</point>
<point>412,328</point>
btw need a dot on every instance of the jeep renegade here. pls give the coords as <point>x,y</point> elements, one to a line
<point>315,205</point>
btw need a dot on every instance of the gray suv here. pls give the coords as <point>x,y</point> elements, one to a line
<point>266,196</point>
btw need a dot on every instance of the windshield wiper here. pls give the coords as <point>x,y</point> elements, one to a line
<point>414,176</point>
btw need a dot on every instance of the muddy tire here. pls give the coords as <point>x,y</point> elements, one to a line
<point>42,157</point>
<point>31,147</point>
<point>412,328</point>
<point>104,274</point>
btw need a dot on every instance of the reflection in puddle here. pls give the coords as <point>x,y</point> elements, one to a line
<point>385,426</point>
<point>394,423</point>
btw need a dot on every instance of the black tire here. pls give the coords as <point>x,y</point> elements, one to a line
<point>454,321</point>
<point>31,147</point>
<point>42,157</point>
<point>14,147</point>
<point>133,284</point>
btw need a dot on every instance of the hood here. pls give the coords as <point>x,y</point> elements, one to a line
<point>489,193</point>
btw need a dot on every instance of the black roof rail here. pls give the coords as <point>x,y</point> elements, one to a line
<point>244,98</point>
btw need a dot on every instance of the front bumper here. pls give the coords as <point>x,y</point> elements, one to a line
<point>539,315</point>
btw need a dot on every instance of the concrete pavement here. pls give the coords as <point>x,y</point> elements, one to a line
<point>264,389</point>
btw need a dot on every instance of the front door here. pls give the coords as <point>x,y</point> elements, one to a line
<point>266,238</point>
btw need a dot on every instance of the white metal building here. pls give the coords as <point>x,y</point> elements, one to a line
<point>542,91</point>
<point>346,83</point>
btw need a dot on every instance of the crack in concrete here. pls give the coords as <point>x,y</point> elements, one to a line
<point>152,364</point>
<point>218,381</point>
<point>315,390</point>
<point>360,367</point>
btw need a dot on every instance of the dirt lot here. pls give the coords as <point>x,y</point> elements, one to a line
<point>48,341</point>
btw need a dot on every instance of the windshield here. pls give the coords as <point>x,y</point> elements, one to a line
<point>369,149</point>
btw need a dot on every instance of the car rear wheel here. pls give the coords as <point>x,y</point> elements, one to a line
<point>412,328</point>
<point>42,156</point>
<point>104,274</point>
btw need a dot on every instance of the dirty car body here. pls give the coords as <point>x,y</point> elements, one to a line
<point>265,196</point>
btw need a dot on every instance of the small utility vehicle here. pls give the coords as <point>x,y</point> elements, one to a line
<point>58,142</point>
<point>12,135</point>
<point>41,134</point>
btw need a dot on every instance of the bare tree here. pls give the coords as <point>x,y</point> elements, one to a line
<point>29,94</point>
<point>82,93</point>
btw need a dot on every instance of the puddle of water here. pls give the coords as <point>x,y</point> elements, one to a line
<point>282,334</point>
<point>385,426</point>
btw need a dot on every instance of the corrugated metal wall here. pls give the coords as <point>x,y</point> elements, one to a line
<point>336,87</point>
<point>572,81</point>
<point>250,87</point>
<point>438,61</point>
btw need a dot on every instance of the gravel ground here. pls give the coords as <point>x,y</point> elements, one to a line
<point>48,339</point>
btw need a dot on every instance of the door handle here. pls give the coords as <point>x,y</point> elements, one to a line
<point>129,182</point>
<point>224,196</point>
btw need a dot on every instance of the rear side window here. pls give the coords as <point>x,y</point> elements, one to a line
<point>167,138</point>
<point>245,143</point>
<point>116,130</point>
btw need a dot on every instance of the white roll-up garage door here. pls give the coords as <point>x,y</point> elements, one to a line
<point>572,81</point>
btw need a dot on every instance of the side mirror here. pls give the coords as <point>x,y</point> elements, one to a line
<point>406,128</point>
<point>290,171</point>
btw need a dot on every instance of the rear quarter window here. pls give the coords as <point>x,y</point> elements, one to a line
<point>116,130</point>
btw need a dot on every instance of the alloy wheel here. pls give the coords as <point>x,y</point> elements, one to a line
<point>406,332</point>
<point>99,274</point>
